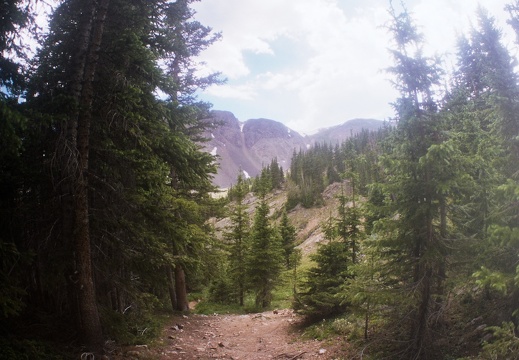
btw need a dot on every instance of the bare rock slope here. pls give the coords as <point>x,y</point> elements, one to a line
<point>249,146</point>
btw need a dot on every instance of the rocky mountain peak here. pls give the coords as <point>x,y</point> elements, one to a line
<point>257,129</point>
<point>250,145</point>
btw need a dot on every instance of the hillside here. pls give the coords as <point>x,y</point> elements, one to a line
<point>307,221</point>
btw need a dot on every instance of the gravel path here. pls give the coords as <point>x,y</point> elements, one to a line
<point>268,335</point>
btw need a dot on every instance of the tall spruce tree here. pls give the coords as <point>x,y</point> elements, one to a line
<point>16,138</point>
<point>497,271</point>
<point>321,291</point>
<point>125,186</point>
<point>415,246</point>
<point>237,237</point>
<point>288,237</point>
<point>265,260</point>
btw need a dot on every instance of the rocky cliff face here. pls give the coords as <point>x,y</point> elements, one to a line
<point>249,145</point>
<point>254,143</point>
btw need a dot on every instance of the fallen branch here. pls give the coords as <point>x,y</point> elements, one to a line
<point>298,355</point>
<point>290,357</point>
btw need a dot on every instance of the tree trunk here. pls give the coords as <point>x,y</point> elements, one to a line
<point>171,287</point>
<point>366,321</point>
<point>442,273</point>
<point>241,294</point>
<point>68,157</point>
<point>181,290</point>
<point>90,331</point>
<point>421,323</point>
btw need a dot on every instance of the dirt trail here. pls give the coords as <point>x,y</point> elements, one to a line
<point>268,335</point>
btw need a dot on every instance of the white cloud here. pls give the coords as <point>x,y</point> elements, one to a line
<point>237,92</point>
<point>345,48</point>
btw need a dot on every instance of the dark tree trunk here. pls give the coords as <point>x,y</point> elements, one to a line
<point>171,287</point>
<point>90,330</point>
<point>442,274</point>
<point>424,280</point>
<point>180,288</point>
<point>421,326</point>
<point>68,157</point>
<point>366,321</point>
<point>241,294</point>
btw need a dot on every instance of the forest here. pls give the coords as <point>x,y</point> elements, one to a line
<point>106,197</point>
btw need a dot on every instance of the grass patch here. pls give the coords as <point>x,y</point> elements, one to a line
<point>347,326</point>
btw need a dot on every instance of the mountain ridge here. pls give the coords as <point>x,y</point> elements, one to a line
<point>250,145</point>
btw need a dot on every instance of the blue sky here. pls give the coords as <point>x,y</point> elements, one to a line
<point>316,63</point>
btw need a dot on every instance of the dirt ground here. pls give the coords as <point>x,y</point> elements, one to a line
<point>268,335</point>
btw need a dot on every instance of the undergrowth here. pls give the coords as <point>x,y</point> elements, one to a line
<point>15,349</point>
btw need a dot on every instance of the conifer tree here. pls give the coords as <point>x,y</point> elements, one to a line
<point>414,245</point>
<point>288,237</point>
<point>238,240</point>
<point>497,269</point>
<point>348,223</point>
<point>124,185</point>
<point>266,256</point>
<point>321,293</point>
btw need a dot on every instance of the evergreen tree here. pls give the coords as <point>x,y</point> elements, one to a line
<point>16,138</point>
<point>321,294</point>
<point>348,223</point>
<point>414,240</point>
<point>288,237</point>
<point>238,240</point>
<point>266,256</point>
<point>277,175</point>
<point>120,185</point>
<point>497,271</point>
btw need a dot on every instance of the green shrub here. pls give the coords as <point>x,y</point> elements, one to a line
<point>222,291</point>
<point>505,344</point>
<point>138,325</point>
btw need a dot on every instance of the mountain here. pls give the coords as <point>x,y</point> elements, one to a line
<point>252,144</point>
<point>249,145</point>
<point>337,134</point>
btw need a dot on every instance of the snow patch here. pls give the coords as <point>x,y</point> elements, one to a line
<point>212,135</point>
<point>308,146</point>
<point>213,152</point>
<point>246,174</point>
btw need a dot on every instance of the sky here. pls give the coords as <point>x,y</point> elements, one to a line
<point>312,64</point>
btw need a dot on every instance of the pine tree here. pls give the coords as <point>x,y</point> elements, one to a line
<point>17,139</point>
<point>266,256</point>
<point>414,245</point>
<point>321,293</point>
<point>348,223</point>
<point>238,240</point>
<point>120,171</point>
<point>288,237</point>
<point>497,271</point>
